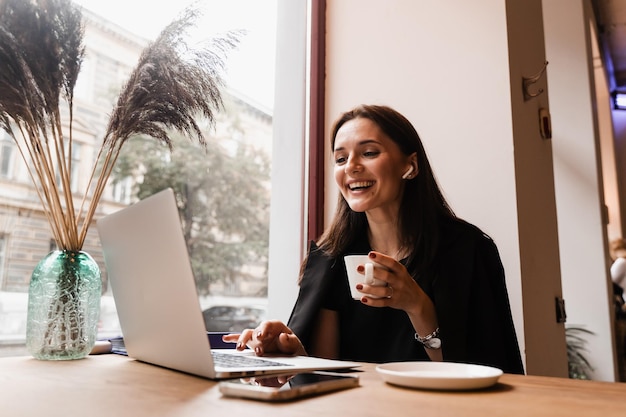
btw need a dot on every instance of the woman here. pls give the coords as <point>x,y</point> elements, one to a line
<point>445,296</point>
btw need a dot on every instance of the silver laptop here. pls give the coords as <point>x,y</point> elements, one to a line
<point>155,294</point>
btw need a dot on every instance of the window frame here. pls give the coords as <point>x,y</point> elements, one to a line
<point>298,165</point>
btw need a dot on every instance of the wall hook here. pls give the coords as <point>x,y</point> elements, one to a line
<point>527,82</point>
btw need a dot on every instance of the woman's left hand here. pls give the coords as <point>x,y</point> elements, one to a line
<point>403,293</point>
<point>400,292</point>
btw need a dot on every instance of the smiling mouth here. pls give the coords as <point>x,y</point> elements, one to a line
<point>360,185</point>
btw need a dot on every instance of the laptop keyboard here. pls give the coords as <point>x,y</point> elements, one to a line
<point>227,360</point>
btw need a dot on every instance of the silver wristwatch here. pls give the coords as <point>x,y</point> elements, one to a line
<point>430,341</point>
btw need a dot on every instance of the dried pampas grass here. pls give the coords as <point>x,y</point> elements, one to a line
<point>41,52</point>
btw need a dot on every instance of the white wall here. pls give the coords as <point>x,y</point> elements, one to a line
<point>446,66</point>
<point>610,172</point>
<point>536,203</point>
<point>619,126</point>
<point>578,178</point>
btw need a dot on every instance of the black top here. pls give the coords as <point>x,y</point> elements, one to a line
<point>466,285</point>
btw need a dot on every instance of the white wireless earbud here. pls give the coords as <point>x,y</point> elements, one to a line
<point>407,173</point>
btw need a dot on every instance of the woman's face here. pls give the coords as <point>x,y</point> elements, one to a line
<point>369,167</point>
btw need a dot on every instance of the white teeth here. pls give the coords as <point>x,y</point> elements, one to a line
<point>362,184</point>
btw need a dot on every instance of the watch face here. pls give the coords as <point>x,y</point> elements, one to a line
<point>434,343</point>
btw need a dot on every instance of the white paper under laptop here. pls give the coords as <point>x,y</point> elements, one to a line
<point>155,294</point>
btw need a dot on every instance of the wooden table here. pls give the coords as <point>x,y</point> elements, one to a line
<point>112,385</point>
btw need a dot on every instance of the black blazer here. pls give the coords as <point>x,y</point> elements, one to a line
<point>468,289</point>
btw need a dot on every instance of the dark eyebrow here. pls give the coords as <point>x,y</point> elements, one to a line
<point>361,143</point>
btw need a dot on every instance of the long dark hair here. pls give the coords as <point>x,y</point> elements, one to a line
<point>423,205</point>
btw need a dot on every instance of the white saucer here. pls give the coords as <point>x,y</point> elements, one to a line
<point>439,375</point>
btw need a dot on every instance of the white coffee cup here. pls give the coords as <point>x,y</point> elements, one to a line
<point>354,278</point>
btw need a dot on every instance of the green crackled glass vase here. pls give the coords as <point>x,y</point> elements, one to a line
<point>63,306</point>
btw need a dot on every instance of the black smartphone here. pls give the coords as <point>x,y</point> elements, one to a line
<point>287,387</point>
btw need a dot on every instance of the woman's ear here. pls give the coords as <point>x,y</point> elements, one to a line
<point>412,171</point>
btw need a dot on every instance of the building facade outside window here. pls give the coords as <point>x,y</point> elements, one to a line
<point>242,137</point>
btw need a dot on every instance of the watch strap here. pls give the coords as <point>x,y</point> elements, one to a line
<point>430,341</point>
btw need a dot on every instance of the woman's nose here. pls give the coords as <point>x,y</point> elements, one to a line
<point>353,165</point>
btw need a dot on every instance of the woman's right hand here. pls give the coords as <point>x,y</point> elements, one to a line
<point>269,337</point>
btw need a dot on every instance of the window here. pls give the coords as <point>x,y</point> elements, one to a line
<point>75,166</point>
<point>122,190</point>
<point>3,253</point>
<point>245,131</point>
<point>84,86</point>
<point>6,155</point>
<point>76,159</point>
